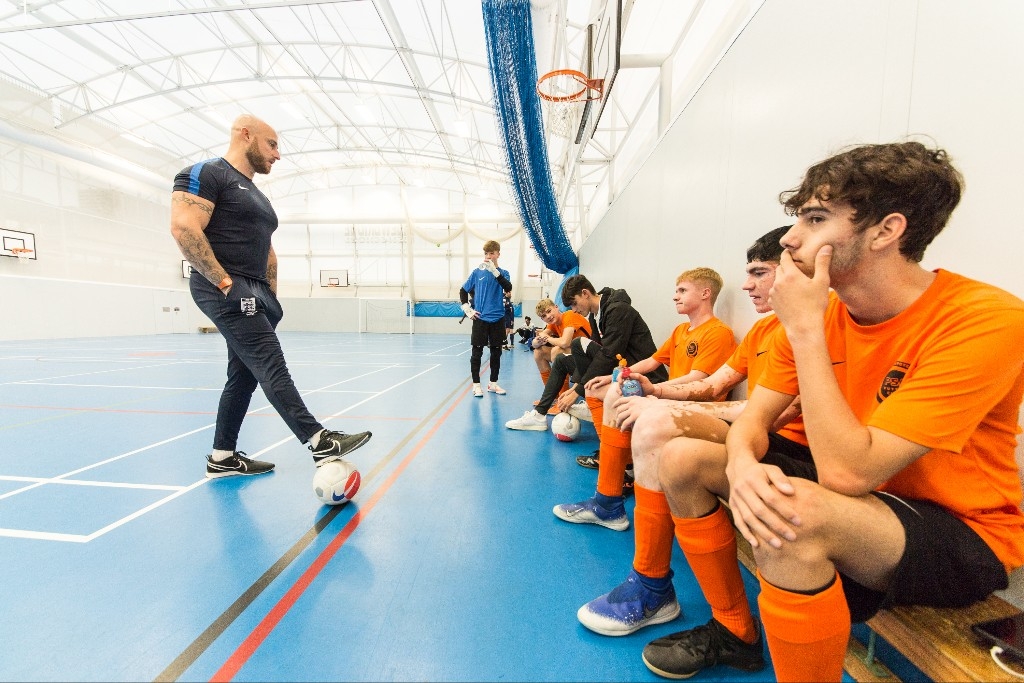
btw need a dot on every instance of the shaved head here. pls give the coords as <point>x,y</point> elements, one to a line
<point>253,147</point>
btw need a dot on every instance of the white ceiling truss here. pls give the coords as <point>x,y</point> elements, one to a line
<point>361,92</point>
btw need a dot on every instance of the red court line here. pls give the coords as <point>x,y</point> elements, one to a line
<point>249,646</point>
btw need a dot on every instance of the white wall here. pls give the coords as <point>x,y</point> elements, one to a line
<point>806,78</point>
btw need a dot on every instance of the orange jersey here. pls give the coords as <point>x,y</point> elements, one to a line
<point>704,348</point>
<point>947,373</point>
<point>581,328</point>
<point>751,357</point>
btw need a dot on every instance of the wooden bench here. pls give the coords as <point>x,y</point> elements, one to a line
<point>937,641</point>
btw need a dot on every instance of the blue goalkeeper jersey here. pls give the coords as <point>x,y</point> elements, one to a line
<point>488,296</point>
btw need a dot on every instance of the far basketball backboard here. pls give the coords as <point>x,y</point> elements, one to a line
<point>604,40</point>
<point>14,243</point>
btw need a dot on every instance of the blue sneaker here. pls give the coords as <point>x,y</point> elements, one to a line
<point>629,607</point>
<point>590,511</point>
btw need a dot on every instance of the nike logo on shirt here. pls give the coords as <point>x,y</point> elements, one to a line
<point>242,187</point>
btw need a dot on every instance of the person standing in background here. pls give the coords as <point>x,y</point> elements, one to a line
<point>488,285</point>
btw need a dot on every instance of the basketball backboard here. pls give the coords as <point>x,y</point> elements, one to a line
<point>13,241</point>
<point>604,38</point>
<point>334,278</point>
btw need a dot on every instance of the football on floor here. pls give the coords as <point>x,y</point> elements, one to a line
<point>565,427</point>
<point>336,482</point>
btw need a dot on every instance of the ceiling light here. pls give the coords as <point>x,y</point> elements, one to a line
<point>137,140</point>
<point>460,128</point>
<point>293,111</point>
<point>363,113</point>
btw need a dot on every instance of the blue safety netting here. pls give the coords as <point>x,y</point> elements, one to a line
<point>558,292</point>
<point>449,309</point>
<point>513,63</point>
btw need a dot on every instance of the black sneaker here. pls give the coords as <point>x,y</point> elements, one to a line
<point>683,654</point>
<point>589,461</point>
<point>335,445</point>
<point>628,480</point>
<point>236,464</point>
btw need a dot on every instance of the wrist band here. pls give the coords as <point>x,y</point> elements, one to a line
<point>226,282</point>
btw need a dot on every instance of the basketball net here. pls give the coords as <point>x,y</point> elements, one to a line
<point>559,117</point>
<point>561,92</point>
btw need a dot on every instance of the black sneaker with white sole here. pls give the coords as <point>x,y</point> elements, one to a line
<point>681,655</point>
<point>335,445</point>
<point>235,465</point>
<point>589,461</point>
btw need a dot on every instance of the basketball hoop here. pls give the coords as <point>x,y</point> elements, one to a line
<point>561,91</point>
<point>22,253</point>
<point>569,85</point>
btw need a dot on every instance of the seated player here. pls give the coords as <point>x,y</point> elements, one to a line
<point>549,348</point>
<point>910,382</point>
<point>526,333</point>
<point>669,411</point>
<point>693,351</point>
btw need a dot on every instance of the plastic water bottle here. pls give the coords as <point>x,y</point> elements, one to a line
<point>618,368</point>
<point>630,385</point>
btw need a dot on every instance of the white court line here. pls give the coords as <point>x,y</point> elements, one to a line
<point>134,386</point>
<point>85,482</point>
<point>354,405</point>
<point>97,372</point>
<point>445,347</point>
<point>76,538</point>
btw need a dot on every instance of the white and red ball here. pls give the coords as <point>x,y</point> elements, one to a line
<point>565,427</point>
<point>336,482</point>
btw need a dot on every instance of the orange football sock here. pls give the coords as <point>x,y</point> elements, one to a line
<point>652,525</point>
<point>709,544</point>
<point>615,455</point>
<point>807,634</point>
<point>596,406</point>
<point>544,375</point>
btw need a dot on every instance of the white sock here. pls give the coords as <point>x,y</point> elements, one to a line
<point>220,456</point>
<point>314,440</point>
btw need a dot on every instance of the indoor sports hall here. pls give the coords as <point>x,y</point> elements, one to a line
<point>627,140</point>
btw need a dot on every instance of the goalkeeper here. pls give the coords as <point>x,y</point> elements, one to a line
<point>488,284</point>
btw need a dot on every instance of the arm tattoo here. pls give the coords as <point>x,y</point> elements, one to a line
<point>197,250</point>
<point>272,276</point>
<point>185,199</point>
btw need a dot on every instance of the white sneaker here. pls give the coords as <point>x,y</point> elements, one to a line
<point>530,421</point>
<point>581,412</point>
<point>493,386</point>
<point>477,391</point>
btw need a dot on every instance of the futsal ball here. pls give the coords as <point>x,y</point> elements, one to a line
<point>565,427</point>
<point>336,482</point>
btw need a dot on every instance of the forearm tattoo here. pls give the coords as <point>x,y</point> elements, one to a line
<point>197,250</point>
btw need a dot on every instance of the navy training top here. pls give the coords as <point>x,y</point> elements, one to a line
<point>243,219</point>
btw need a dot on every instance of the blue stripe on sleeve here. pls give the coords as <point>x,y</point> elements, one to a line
<point>193,178</point>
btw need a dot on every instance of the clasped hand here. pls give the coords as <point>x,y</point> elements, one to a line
<point>761,498</point>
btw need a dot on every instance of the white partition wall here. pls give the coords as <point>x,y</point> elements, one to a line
<point>803,80</point>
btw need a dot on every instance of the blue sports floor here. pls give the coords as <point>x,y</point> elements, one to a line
<point>122,562</point>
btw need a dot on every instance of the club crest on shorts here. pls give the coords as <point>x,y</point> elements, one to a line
<point>248,305</point>
<point>891,381</point>
<point>691,349</point>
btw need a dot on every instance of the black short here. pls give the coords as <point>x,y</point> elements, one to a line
<point>944,564</point>
<point>488,334</point>
<point>793,458</point>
